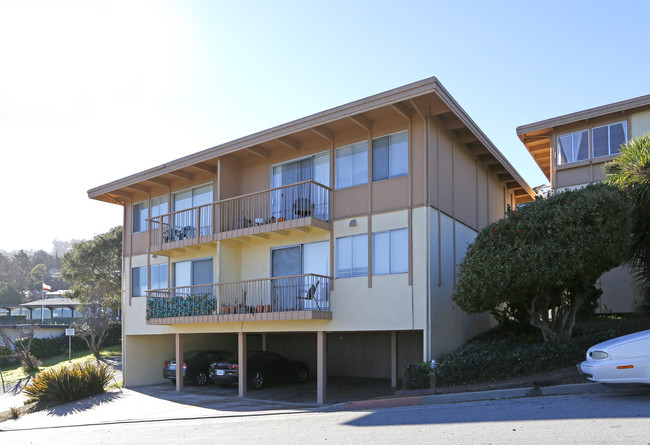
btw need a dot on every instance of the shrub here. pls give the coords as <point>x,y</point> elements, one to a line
<point>114,336</point>
<point>70,383</point>
<point>499,355</point>
<point>416,375</point>
<point>49,347</point>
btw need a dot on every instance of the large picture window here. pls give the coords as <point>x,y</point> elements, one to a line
<point>159,206</point>
<point>140,214</point>
<point>352,256</point>
<point>352,165</point>
<point>608,139</point>
<point>138,281</point>
<point>390,252</point>
<point>390,156</point>
<point>573,147</point>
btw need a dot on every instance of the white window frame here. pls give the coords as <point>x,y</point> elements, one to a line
<point>362,256</point>
<point>356,177</point>
<point>393,267</point>
<point>390,174</point>
<point>572,134</point>
<point>609,138</point>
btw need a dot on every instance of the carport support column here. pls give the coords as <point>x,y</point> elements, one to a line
<point>179,362</point>
<point>393,359</point>
<point>321,366</point>
<point>241,359</point>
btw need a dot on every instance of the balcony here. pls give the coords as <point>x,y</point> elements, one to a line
<point>296,206</point>
<point>299,297</point>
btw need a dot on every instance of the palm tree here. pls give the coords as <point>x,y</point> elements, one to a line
<point>631,173</point>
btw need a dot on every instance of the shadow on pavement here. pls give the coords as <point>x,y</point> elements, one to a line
<point>593,406</point>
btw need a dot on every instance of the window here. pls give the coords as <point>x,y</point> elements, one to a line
<point>140,215</point>
<point>573,147</point>
<point>159,206</point>
<point>608,139</point>
<point>139,281</point>
<point>352,165</point>
<point>159,276</point>
<point>192,273</point>
<point>352,256</point>
<point>390,252</point>
<point>390,156</point>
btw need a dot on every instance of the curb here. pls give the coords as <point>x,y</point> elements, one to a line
<point>514,393</point>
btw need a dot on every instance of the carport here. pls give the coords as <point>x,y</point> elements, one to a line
<point>352,354</point>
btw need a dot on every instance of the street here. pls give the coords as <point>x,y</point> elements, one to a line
<point>585,418</point>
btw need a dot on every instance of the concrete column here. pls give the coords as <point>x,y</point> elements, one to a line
<point>241,353</point>
<point>263,341</point>
<point>179,362</point>
<point>321,366</point>
<point>393,359</point>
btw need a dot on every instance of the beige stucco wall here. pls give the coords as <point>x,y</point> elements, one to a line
<point>639,124</point>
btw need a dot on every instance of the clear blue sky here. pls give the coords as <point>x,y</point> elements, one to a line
<point>92,91</point>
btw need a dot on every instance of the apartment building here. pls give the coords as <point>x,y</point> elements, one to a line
<point>333,239</point>
<point>571,151</point>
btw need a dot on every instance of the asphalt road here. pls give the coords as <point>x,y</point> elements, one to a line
<point>586,418</point>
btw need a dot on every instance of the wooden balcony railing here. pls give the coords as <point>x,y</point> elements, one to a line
<point>274,206</point>
<point>299,293</point>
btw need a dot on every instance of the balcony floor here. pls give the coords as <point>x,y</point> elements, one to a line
<point>264,231</point>
<point>225,318</point>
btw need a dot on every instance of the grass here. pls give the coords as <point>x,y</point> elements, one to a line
<point>15,373</point>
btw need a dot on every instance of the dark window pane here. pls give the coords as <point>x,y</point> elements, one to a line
<point>617,136</point>
<point>380,158</point>
<point>581,140</point>
<point>601,141</point>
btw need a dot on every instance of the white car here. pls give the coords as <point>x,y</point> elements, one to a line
<point>624,359</point>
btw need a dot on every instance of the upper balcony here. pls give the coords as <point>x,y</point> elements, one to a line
<point>297,206</point>
<point>298,297</point>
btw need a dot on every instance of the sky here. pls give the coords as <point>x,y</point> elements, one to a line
<point>93,91</point>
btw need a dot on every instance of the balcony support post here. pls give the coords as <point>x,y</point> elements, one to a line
<point>321,366</point>
<point>179,362</point>
<point>393,359</point>
<point>241,352</point>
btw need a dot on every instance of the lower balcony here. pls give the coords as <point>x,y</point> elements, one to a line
<point>299,297</point>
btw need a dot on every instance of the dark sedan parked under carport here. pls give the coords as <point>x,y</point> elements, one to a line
<point>262,368</point>
<point>196,366</point>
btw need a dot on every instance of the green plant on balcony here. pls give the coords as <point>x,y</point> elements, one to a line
<point>180,306</point>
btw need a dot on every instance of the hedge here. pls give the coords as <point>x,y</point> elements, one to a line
<point>180,306</point>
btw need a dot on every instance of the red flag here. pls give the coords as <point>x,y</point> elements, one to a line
<point>46,287</point>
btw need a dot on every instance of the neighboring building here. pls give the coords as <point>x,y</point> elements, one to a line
<point>571,151</point>
<point>332,239</point>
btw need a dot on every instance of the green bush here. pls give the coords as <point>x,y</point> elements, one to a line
<point>114,336</point>
<point>69,384</point>
<point>180,306</point>
<point>416,375</point>
<point>501,355</point>
<point>49,347</point>
<point>4,360</point>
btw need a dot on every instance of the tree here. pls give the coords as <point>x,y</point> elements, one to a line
<point>544,258</point>
<point>630,172</point>
<point>93,268</point>
<point>10,295</point>
<point>21,349</point>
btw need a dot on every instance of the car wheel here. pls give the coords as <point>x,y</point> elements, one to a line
<point>258,380</point>
<point>201,378</point>
<point>302,375</point>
